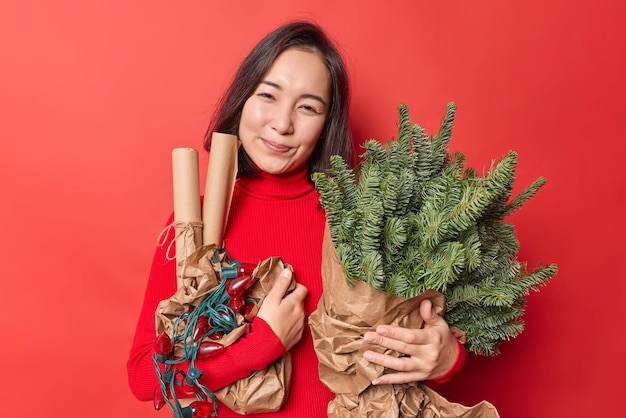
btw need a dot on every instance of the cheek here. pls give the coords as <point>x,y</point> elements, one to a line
<point>254,112</point>
<point>247,115</point>
<point>249,122</point>
<point>314,131</point>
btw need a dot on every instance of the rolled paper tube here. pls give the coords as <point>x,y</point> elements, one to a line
<point>187,212</point>
<point>218,191</point>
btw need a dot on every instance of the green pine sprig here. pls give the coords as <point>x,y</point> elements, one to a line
<point>413,217</point>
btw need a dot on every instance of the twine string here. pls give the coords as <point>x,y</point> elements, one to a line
<point>184,230</point>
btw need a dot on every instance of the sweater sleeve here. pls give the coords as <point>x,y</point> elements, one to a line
<point>253,352</point>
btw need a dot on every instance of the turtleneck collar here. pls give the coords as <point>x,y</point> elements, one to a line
<point>290,185</point>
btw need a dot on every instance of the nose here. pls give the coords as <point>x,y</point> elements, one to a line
<point>282,120</point>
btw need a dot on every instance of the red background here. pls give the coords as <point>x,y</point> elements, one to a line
<point>94,95</point>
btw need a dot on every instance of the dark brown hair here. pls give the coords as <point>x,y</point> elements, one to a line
<point>335,138</point>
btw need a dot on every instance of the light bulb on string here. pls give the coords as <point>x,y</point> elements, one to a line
<point>163,347</point>
<point>197,409</point>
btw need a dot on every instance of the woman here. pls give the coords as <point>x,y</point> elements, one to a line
<point>288,104</point>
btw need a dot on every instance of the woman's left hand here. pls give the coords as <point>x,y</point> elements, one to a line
<point>429,352</point>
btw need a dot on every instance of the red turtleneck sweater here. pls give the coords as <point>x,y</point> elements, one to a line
<point>270,216</point>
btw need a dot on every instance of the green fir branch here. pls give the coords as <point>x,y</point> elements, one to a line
<point>413,217</point>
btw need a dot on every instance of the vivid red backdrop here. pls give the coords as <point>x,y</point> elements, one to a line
<point>95,95</point>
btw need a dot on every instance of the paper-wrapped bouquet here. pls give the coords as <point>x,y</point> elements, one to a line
<point>216,297</point>
<point>412,222</point>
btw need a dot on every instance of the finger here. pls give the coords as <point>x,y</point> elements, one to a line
<point>426,309</point>
<point>281,285</point>
<point>399,378</point>
<point>413,366</point>
<point>396,338</point>
<point>431,319</point>
<point>299,292</point>
<point>412,349</point>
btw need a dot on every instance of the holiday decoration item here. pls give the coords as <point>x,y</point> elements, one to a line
<point>187,215</point>
<point>413,222</point>
<point>216,300</point>
<point>197,323</point>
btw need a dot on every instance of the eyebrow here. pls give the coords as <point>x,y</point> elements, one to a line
<point>306,95</point>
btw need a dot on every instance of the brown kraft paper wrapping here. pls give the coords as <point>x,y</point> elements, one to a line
<point>344,314</point>
<point>198,274</point>
<point>218,190</point>
<point>187,214</point>
<point>263,391</point>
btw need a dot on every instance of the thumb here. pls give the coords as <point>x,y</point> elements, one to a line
<point>431,319</point>
<point>281,284</point>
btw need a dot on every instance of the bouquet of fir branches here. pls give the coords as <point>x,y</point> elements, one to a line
<point>412,221</point>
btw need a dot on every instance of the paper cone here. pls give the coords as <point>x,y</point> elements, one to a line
<point>187,215</point>
<point>199,274</point>
<point>344,314</point>
<point>220,180</point>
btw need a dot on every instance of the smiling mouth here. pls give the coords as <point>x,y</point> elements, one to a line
<point>276,147</point>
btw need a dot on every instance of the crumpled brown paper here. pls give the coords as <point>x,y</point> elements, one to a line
<point>264,390</point>
<point>414,400</point>
<point>344,314</point>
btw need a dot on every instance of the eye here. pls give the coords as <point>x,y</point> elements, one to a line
<point>266,95</point>
<point>310,109</point>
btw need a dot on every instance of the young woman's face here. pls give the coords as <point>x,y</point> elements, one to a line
<point>283,119</point>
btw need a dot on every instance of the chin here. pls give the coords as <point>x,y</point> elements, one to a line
<point>278,171</point>
<point>275,168</point>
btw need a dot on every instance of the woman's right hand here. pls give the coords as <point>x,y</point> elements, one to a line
<point>284,312</point>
